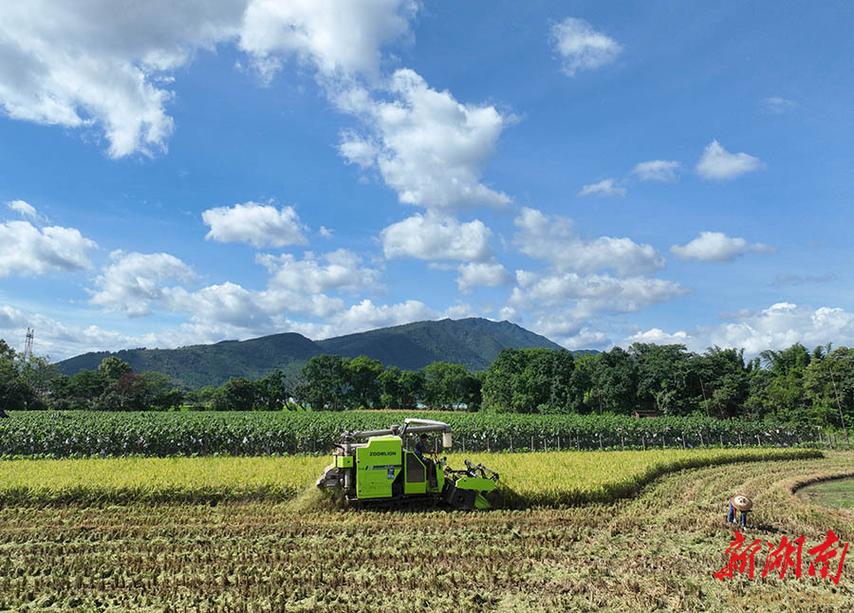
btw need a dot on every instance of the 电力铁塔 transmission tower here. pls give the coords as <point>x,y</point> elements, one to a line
<point>28,345</point>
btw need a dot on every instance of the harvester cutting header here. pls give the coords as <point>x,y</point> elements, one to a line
<point>378,466</point>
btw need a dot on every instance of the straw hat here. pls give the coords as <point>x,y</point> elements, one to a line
<point>741,502</point>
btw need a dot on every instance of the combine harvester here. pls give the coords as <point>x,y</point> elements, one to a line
<point>376,466</point>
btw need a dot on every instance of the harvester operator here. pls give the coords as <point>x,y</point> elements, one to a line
<point>421,449</point>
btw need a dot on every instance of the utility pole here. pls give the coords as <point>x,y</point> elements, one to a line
<point>28,345</point>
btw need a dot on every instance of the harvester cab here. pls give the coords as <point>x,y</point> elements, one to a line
<point>378,466</point>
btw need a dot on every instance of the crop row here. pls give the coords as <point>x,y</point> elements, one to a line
<point>85,433</point>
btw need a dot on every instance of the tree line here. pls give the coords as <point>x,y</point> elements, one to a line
<point>793,384</point>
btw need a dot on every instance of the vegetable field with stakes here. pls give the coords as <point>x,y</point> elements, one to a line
<point>92,433</point>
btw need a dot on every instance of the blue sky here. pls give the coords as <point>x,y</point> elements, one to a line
<point>185,172</point>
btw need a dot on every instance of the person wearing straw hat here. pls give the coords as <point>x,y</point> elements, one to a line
<point>743,505</point>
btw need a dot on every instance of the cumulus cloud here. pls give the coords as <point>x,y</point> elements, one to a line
<point>605,188</point>
<point>23,208</point>
<point>658,336</point>
<point>591,294</point>
<point>435,237</point>
<point>260,225</point>
<point>95,64</point>
<point>26,250</point>
<point>76,65</point>
<point>57,340</point>
<point>481,274</point>
<point>133,281</point>
<point>338,38</point>
<point>784,324</point>
<point>337,270</point>
<point>665,171</point>
<point>554,239</point>
<point>718,164</point>
<point>223,303</point>
<point>581,47</point>
<point>427,146</point>
<point>776,327</point>
<point>137,284</point>
<point>717,247</point>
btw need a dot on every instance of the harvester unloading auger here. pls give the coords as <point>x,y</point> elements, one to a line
<point>377,466</point>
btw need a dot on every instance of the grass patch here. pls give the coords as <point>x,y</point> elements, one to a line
<point>832,493</point>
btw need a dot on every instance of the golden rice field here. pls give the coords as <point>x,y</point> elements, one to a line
<point>654,551</point>
<point>551,478</point>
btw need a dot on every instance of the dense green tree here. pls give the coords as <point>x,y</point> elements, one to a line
<point>724,381</point>
<point>273,391</point>
<point>829,387</point>
<point>160,393</point>
<point>325,383</point>
<point>785,395</point>
<point>112,369</point>
<point>529,381</point>
<point>237,394</point>
<point>445,385</point>
<point>391,387</point>
<point>412,384</point>
<point>662,378</point>
<point>614,382</point>
<point>363,375</point>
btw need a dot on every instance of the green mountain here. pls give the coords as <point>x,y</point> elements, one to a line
<point>473,342</point>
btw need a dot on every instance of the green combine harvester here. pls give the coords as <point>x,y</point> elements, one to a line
<point>377,466</point>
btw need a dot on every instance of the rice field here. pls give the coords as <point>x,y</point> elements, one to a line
<point>656,551</point>
<point>527,479</point>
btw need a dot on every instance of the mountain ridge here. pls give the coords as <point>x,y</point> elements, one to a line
<point>473,342</point>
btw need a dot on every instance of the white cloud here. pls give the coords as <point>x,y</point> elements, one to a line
<point>337,270</point>
<point>605,188</point>
<point>23,208</point>
<point>717,247</point>
<point>224,303</point>
<point>776,327</point>
<point>81,64</point>
<point>427,146</point>
<point>324,232</point>
<point>136,284</point>
<point>95,64</point>
<point>260,225</point>
<point>339,38</point>
<point>29,251</point>
<point>481,274</point>
<point>366,315</point>
<point>784,324</point>
<point>582,338</point>
<point>434,237</point>
<point>778,104</point>
<point>658,336</point>
<point>554,239</point>
<point>718,164</point>
<point>581,47</point>
<point>591,294</point>
<point>57,340</point>
<point>657,170</point>
<point>135,280</point>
